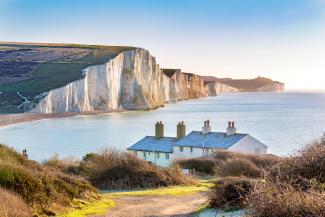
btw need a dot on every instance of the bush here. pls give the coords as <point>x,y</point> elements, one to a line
<point>230,193</point>
<point>42,187</point>
<point>67,165</point>
<point>273,200</point>
<point>217,164</point>
<point>113,169</point>
<point>295,186</point>
<point>12,205</point>
<point>203,165</point>
<point>307,164</point>
<point>238,167</point>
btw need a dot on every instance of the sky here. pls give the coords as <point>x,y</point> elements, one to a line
<point>280,39</point>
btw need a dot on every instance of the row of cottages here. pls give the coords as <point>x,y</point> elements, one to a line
<point>161,150</point>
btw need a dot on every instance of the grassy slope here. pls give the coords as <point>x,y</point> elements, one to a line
<point>83,209</point>
<point>43,188</point>
<point>52,74</point>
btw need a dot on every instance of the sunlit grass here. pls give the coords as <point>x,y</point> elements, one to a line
<point>83,208</point>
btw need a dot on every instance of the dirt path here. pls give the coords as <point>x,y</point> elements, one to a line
<point>162,206</point>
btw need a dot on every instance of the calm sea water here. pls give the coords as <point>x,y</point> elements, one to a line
<point>283,121</point>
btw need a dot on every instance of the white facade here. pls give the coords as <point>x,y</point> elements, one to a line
<point>190,152</point>
<point>158,158</point>
<point>249,145</point>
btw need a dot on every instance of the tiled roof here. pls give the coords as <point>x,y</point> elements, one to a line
<point>151,143</point>
<point>210,140</point>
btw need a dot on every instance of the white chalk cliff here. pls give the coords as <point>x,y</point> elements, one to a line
<point>132,81</point>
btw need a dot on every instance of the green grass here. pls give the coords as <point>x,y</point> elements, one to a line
<point>83,209</point>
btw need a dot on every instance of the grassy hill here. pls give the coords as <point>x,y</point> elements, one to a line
<point>242,84</point>
<point>247,84</point>
<point>29,70</point>
<point>44,189</point>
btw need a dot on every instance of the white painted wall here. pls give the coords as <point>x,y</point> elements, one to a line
<point>189,153</point>
<point>249,145</point>
<point>157,158</point>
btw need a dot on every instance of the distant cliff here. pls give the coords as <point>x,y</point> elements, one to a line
<point>132,81</point>
<point>259,84</point>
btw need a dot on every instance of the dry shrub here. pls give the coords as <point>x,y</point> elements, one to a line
<point>42,187</point>
<point>204,165</point>
<point>255,164</point>
<point>67,165</point>
<point>230,192</point>
<point>307,164</point>
<point>238,167</point>
<point>112,169</point>
<point>274,200</point>
<point>295,186</point>
<point>13,205</point>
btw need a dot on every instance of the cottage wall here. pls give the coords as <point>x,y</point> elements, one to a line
<point>249,145</point>
<point>190,153</point>
<point>158,158</point>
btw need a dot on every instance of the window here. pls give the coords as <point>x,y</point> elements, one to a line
<point>191,149</point>
<point>149,152</point>
<point>181,149</point>
<point>157,154</point>
<point>167,156</point>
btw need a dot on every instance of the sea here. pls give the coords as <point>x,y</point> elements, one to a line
<point>285,122</point>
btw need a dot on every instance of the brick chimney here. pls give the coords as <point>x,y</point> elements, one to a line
<point>181,130</point>
<point>206,127</point>
<point>231,129</point>
<point>159,130</point>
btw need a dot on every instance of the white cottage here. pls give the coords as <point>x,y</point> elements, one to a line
<point>162,150</point>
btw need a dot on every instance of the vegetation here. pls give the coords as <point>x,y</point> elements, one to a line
<point>294,187</point>
<point>278,199</point>
<point>226,163</point>
<point>43,188</point>
<point>13,205</point>
<point>230,192</point>
<point>112,169</point>
<point>269,187</point>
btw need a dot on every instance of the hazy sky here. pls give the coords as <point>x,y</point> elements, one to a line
<point>281,39</point>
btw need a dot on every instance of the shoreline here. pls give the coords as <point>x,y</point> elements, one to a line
<point>12,119</point>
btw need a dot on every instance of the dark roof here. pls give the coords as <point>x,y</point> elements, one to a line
<point>210,140</point>
<point>151,143</point>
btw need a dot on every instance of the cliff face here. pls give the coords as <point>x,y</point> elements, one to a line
<point>131,81</point>
<point>213,88</point>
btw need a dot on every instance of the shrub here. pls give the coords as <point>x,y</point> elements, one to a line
<point>204,165</point>
<point>230,192</point>
<point>68,165</point>
<point>256,164</point>
<point>238,167</point>
<point>307,164</point>
<point>113,169</point>
<point>273,200</point>
<point>13,205</point>
<point>42,187</point>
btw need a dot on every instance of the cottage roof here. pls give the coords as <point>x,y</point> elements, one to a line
<point>209,140</point>
<point>151,143</point>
